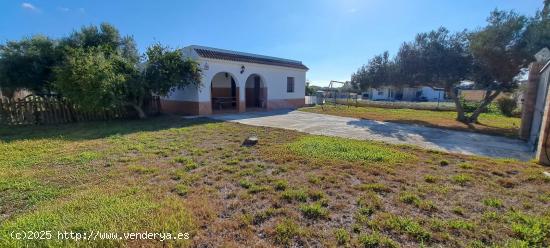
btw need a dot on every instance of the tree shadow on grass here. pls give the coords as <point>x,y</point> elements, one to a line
<point>455,141</point>
<point>476,128</point>
<point>96,129</point>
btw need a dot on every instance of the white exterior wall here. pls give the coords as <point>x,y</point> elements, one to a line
<point>385,93</point>
<point>432,94</point>
<point>273,77</point>
<point>379,93</point>
<point>189,93</point>
<point>409,93</point>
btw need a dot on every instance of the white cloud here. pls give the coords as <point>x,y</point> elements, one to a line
<point>30,7</point>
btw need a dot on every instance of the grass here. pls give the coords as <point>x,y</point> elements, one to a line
<point>322,147</point>
<point>461,179</point>
<point>492,202</point>
<point>489,123</point>
<point>342,236</point>
<point>376,240</point>
<point>314,211</point>
<point>286,230</point>
<point>294,195</point>
<point>281,185</point>
<point>291,189</point>
<point>408,226</point>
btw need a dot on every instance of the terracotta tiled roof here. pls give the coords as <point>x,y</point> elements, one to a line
<point>249,58</point>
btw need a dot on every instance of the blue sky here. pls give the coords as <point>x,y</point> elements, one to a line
<point>333,38</point>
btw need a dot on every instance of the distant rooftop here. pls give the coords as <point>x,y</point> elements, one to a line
<point>215,53</point>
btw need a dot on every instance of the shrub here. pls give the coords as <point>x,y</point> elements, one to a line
<point>470,106</point>
<point>507,106</point>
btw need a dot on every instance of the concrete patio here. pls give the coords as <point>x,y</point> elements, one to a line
<point>431,138</point>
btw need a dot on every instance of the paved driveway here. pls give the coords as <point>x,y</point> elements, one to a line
<point>395,133</point>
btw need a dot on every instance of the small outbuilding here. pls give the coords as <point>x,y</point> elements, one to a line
<point>237,82</point>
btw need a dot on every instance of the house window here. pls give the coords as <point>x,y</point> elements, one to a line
<point>380,92</point>
<point>290,84</point>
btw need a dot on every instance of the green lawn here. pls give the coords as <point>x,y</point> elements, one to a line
<point>488,123</point>
<point>172,175</point>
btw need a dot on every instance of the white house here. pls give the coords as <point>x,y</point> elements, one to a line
<point>391,93</point>
<point>237,81</point>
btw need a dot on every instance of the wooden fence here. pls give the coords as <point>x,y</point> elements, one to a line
<point>40,110</point>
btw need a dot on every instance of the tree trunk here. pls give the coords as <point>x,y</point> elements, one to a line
<point>486,101</point>
<point>460,116</point>
<point>8,93</point>
<point>139,110</point>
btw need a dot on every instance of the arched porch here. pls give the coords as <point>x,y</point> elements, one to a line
<point>224,92</point>
<point>255,92</point>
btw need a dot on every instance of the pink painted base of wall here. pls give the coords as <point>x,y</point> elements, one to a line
<point>205,108</point>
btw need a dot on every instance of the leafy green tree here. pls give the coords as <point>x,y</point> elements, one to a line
<point>91,79</point>
<point>103,70</point>
<point>439,59</point>
<point>380,71</point>
<point>167,69</point>
<point>27,64</point>
<point>537,33</point>
<point>106,36</point>
<point>498,52</point>
<point>311,89</point>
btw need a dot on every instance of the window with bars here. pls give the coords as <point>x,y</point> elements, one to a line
<point>290,84</point>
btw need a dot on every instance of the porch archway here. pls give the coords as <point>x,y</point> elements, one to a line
<point>255,92</point>
<point>224,92</point>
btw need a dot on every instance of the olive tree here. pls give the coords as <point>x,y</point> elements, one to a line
<point>498,55</point>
